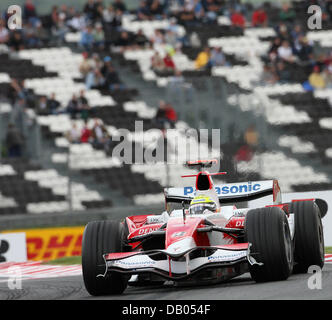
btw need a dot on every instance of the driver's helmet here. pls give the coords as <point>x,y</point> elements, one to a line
<point>200,204</point>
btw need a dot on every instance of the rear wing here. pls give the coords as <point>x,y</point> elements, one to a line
<point>229,193</point>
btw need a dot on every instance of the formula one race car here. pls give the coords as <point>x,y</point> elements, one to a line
<point>208,240</point>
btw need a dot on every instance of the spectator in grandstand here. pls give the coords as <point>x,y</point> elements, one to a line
<point>171,38</point>
<point>160,117</point>
<point>112,79</point>
<point>90,9</point>
<point>156,9</point>
<point>74,134</point>
<point>269,75</point>
<point>14,141</point>
<point>157,38</point>
<point>202,58</point>
<point>116,23</point>
<point>170,115</point>
<point>60,29</point>
<point>77,23</point>
<point>304,50</point>
<point>297,33</point>
<point>283,74</point>
<point>16,41</point>
<point>103,66</point>
<point>168,62</point>
<point>87,38</point>
<point>52,104</point>
<point>85,65</point>
<point>42,34</point>
<point>244,153</point>
<point>143,12</point>
<point>98,37</point>
<point>54,16</point>
<point>100,136</point>
<point>83,105</point>
<point>86,134</point>
<point>285,52</point>
<point>273,51</point>
<point>97,62</point>
<point>123,42</point>
<point>211,9</point>
<point>287,14</point>
<point>29,11</point>
<point>283,32</point>
<point>187,15</point>
<point>237,19</point>
<point>41,107</point>
<point>259,18</point>
<point>119,5</point>
<point>217,58</point>
<point>251,137</point>
<point>72,107</point>
<point>316,79</point>
<point>19,115</point>
<point>320,61</point>
<point>140,40</point>
<point>4,33</point>
<point>108,15</point>
<point>29,35</point>
<point>94,79</point>
<point>157,62</point>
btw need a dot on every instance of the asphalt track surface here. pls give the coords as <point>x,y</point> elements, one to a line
<point>72,288</point>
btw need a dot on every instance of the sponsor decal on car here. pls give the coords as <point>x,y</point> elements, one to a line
<point>227,257</point>
<point>179,234</point>
<point>230,189</point>
<point>131,264</point>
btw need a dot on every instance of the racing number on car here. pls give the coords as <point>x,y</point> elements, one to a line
<point>4,247</point>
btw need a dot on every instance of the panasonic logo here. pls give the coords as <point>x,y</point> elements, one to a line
<point>227,189</point>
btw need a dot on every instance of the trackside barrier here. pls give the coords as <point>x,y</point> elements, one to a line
<point>52,243</point>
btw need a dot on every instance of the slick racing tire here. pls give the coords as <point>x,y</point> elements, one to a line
<point>102,237</point>
<point>309,237</point>
<point>268,232</point>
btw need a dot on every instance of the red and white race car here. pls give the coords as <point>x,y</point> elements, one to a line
<point>208,240</point>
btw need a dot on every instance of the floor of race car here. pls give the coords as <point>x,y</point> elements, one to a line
<point>72,287</point>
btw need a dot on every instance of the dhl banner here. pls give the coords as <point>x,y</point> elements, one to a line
<point>53,243</point>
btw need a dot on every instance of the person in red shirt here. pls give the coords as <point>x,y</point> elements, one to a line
<point>169,63</point>
<point>170,113</point>
<point>259,18</point>
<point>237,19</point>
<point>85,134</point>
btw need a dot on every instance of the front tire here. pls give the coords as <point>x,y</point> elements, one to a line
<point>309,237</point>
<point>102,237</point>
<point>268,232</point>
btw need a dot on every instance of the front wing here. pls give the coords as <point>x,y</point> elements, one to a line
<point>177,266</point>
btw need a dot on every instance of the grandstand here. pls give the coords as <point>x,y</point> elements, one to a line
<point>75,76</point>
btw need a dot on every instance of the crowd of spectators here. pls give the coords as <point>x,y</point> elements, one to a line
<point>292,57</point>
<point>97,20</point>
<point>97,134</point>
<point>99,73</point>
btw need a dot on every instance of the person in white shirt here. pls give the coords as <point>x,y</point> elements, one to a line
<point>285,52</point>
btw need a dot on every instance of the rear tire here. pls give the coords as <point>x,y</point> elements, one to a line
<point>102,237</point>
<point>268,231</point>
<point>309,237</point>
